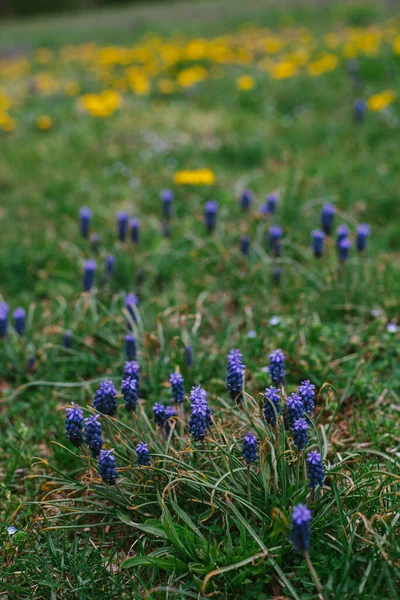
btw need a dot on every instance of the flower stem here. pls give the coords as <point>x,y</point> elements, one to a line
<point>314,576</point>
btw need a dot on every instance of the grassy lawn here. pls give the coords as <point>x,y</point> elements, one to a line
<point>207,100</point>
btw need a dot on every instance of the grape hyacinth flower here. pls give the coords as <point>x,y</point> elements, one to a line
<point>277,367</point>
<point>107,469</point>
<point>131,300</point>
<point>74,425</point>
<point>67,341</point>
<point>167,197</point>
<point>250,448</point>
<point>4,310</point>
<point>344,248</point>
<point>246,198</point>
<point>359,109</point>
<point>19,320</point>
<point>197,393</point>
<point>135,229</point>
<point>315,469</point>
<point>362,236</point>
<point>318,242</point>
<point>342,232</point>
<point>234,375</point>
<point>189,356</point>
<point>132,370</point>
<point>159,414</point>
<point>93,434</point>
<point>200,418</point>
<point>130,347</point>
<point>271,405</point>
<point>270,201</point>
<point>300,433</point>
<point>210,215</point>
<point>307,394</point>
<point>95,242</point>
<point>105,398</point>
<point>327,216</point>
<point>143,455</point>
<point>178,390</point>
<point>110,264</point>
<point>129,393</point>
<point>85,216</point>
<point>89,269</point>
<point>122,225</point>
<point>300,533</point>
<point>275,236</point>
<point>294,408</point>
<point>245,245</point>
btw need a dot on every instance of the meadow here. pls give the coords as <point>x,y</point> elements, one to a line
<point>165,175</point>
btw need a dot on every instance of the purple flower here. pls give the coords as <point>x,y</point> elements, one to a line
<point>93,434</point>
<point>342,232</point>
<point>4,310</point>
<point>135,229</point>
<point>132,370</point>
<point>359,109</point>
<point>162,414</point>
<point>19,320</point>
<point>300,533</point>
<point>200,418</point>
<point>307,394</point>
<point>167,197</point>
<point>107,469</point>
<point>189,356</point>
<point>85,216</point>
<point>277,367</point>
<point>363,232</point>
<point>318,242</point>
<point>246,198</point>
<point>197,393</point>
<point>143,455</point>
<point>67,341</point>
<point>300,433</point>
<point>294,408</point>
<point>89,269</point>
<point>275,236</point>
<point>105,398</point>
<point>130,347</point>
<point>315,469</point>
<point>210,214</point>
<point>129,393</point>
<point>270,201</point>
<point>327,216</point>
<point>122,224</point>
<point>245,245</point>
<point>276,275</point>
<point>271,405</point>
<point>344,248</point>
<point>110,264</point>
<point>250,448</point>
<point>178,390</point>
<point>234,375</point>
<point>131,301</point>
<point>74,425</point>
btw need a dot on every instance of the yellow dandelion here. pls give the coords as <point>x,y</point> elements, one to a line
<point>44,122</point>
<point>381,101</point>
<point>283,70</point>
<point>194,177</point>
<point>245,82</point>
<point>7,123</point>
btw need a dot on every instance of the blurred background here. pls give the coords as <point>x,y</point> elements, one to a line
<point>15,8</point>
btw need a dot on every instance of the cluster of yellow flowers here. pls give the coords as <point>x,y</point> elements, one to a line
<point>195,177</point>
<point>166,65</point>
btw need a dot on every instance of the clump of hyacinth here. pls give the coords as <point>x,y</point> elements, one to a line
<point>143,454</point>
<point>197,393</point>
<point>105,400</point>
<point>4,310</point>
<point>93,434</point>
<point>327,217</point>
<point>294,408</point>
<point>162,414</point>
<point>110,264</point>
<point>122,225</point>
<point>107,468</point>
<point>271,405</point>
<point>246,199</point>
<point>344,248</point>
<point>362,235</point>
<point>89,269</point>
<point>200,418</point>
<point>234,375</point>
<point>130,347</point>
<point>85,216</point>
<point>307,394</point>
<point>74,425</point>
<point>19,320</point>
<point>318,242</point>
<point>275,236</point>
<point>300,433</point>
<point>300,532</point>
<point>129,393</point>
<point>132,371</point>
<point>315,469</point>
<point>342,232</point>
<point>277,367</point>
<point>210,214</point>
<point>250,448</point>
<point>131,301</point>
<point>167,197</point>
<point>177,387</point>
<point>271,201</point>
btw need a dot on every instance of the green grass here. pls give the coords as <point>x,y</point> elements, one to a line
<point>185,527</point>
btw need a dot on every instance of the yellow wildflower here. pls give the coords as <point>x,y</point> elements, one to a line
<point>140,85</point>
<point>245,82</point>
<point>396,45</point>
<point>273,45</point>
<point>194,177</point>
<point>326,63</point>
<point>382,100</point>
<point>191,76</point>
<point>7,123</point>
<point>103,104</point>
<point>44,122</point>
<point>283,70</point>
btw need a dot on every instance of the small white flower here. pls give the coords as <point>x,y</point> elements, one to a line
<point>274,321</point>
<point>252,333</point>
<point>392,327</point>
